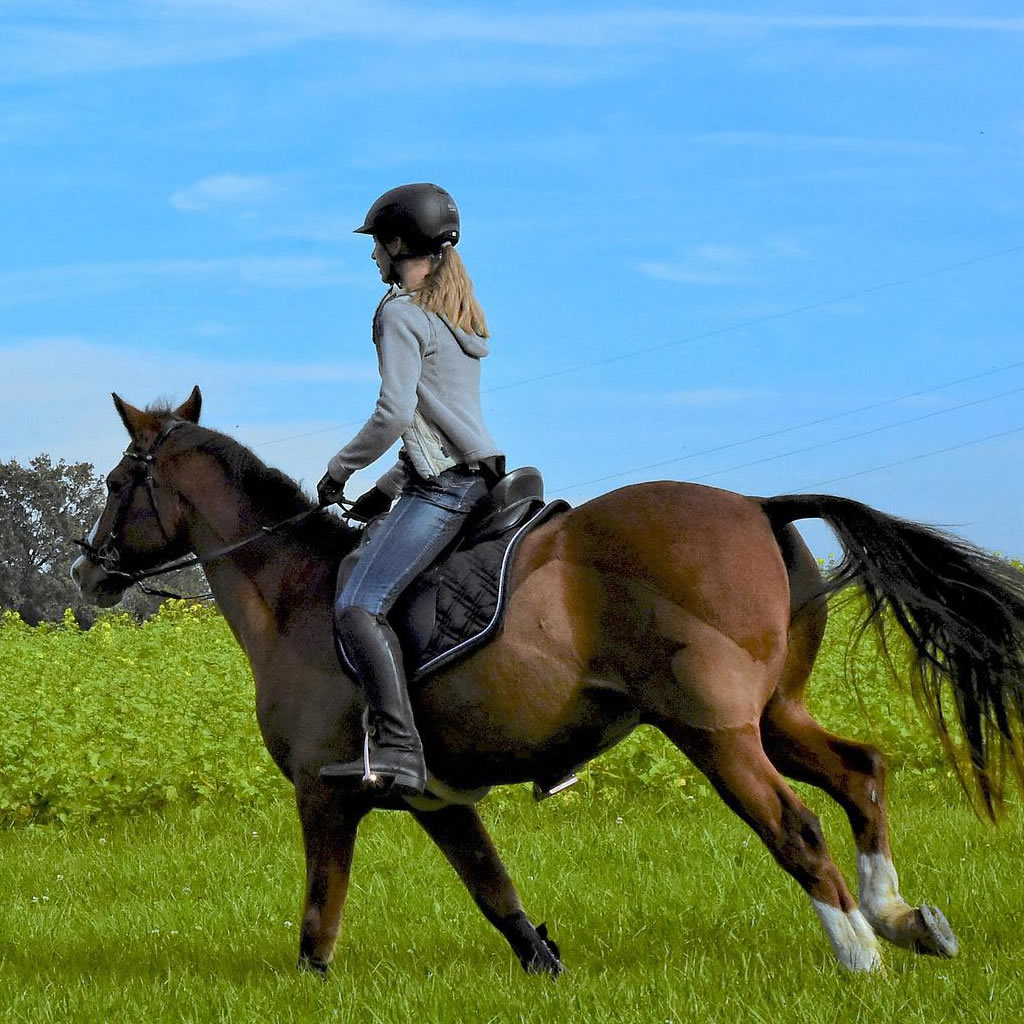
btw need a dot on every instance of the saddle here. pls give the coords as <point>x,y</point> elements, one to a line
<point>458,603</point>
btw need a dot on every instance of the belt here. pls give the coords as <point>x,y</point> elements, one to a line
<point>492,469</point>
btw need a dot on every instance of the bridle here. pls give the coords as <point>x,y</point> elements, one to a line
<point>108,557</point>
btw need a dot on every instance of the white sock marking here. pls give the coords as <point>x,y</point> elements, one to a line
<point>852,939</point>
<point>879,887</point>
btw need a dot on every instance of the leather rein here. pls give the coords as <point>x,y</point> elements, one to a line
<point>107,556</point>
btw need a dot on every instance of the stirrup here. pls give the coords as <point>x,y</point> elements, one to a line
<point>409,779</point>
<point>542,792</point>
<point>368,776</point>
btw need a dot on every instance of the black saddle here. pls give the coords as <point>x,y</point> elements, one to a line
<point>458,603</point>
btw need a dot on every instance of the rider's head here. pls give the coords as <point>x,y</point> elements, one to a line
<point>411,223</point>
<point>415,230</point>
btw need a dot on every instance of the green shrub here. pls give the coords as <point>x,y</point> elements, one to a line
<point>124,718</point>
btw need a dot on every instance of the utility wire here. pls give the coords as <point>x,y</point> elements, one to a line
<point>810,423</point>
<point>916,458</point>
<point>311,433</point>
<point>717,332</point>
<point>859,434</point>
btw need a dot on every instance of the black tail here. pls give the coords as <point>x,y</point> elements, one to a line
<point>962,609</point>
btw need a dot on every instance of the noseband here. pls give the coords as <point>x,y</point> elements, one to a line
<point>108,557</point>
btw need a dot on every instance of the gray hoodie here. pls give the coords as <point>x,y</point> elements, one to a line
<point>429,396</point>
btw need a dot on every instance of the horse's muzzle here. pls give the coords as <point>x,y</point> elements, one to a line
<point>96,586</point>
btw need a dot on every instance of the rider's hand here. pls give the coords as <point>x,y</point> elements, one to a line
<point>328,490</point>
<point>369,505</point>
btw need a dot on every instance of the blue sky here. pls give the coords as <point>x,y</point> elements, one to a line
<point>756,245</point>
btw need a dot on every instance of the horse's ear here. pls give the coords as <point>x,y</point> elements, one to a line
<point>189,409</point>
<point>135,421</point>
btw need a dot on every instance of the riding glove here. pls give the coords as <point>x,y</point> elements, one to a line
<point>370,505</point>
<point>328,490</point>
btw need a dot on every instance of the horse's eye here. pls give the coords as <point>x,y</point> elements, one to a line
<point>113,486</point>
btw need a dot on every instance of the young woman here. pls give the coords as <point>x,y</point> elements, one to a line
<point>430,335</point>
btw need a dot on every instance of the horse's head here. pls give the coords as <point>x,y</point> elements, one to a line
<point>141,524</point>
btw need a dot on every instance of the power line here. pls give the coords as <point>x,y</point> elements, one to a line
<point>717,332</point>
<point>859,434</point>
<point>916,458</point>
<point>809,423</point>
<point>311,433</point>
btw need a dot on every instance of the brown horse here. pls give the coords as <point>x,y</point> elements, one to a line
<point>688,608</point>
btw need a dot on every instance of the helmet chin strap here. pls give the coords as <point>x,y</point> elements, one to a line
<point>394,277</point>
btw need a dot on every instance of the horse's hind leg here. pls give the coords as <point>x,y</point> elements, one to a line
<point>735,763</point>
<point>460,834</point>
<point>853,774</point>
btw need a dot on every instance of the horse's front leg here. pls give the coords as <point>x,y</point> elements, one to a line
<point>329,827</point>
<point>462,838</point>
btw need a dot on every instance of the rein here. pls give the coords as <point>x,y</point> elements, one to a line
<point>190,560</point>
<point>106,556</point>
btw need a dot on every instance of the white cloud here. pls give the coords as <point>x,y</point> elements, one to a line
<point>37,369</point>
<point>715,263</point>
<point>224,190</point>
<point>55,393</point>
<point>780,140</point>
<point>682,273</point>
<point>43,283</point>
<point>310,227</point>
<point>574,28</point>
<point>80,38</point>
<point>730,255</point>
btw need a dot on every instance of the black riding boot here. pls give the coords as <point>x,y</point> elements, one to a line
<point>395,754</point>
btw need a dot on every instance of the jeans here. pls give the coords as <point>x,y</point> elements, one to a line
<point>427,517</point>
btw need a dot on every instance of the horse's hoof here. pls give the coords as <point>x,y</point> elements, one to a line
<point>313,966</point>
<point>939,939</point>
<point>546,958</point>
<point>544,962</point>
<point>863,961</point>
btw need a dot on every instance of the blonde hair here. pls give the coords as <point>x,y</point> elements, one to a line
<point>448,291</point>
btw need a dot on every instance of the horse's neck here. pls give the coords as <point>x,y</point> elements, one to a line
<point>249,584</point>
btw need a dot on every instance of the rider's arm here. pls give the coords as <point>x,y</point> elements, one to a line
<point>393,480</point>
<point>400,358</point>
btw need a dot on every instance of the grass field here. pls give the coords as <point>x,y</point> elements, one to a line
<point>665,906</point>
<point>151,867</point>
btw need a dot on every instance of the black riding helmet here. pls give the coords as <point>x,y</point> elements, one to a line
<point>424,216</point>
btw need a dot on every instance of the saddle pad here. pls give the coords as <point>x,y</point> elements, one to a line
<point>467,594</point>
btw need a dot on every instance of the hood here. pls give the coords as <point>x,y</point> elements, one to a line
<point>472,344</point>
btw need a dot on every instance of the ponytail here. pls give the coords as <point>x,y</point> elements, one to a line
<point>448,291</point>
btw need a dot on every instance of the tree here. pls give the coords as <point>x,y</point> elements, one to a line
<point>43,507</point>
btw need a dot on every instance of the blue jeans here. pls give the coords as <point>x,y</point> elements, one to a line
<point>427,517</point>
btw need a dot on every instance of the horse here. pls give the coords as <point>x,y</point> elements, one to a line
<point>692,609</point>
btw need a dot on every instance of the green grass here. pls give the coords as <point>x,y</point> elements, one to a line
<point>125,719</point>
<point>665,906</point>
<point>151,868</point>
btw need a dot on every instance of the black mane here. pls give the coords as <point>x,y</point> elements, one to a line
<point>273,495</point>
